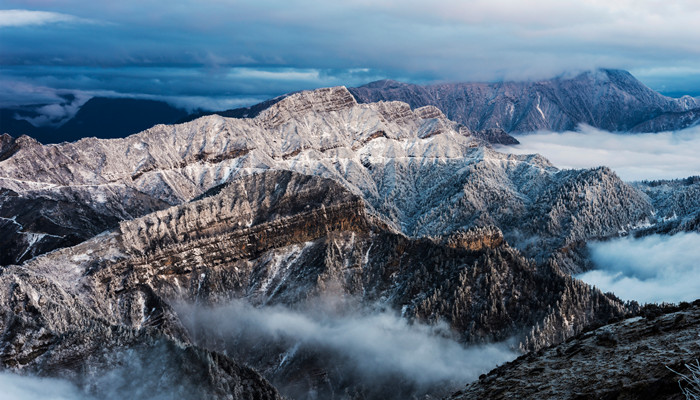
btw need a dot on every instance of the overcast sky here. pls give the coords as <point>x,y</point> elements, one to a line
<point>226,53</point>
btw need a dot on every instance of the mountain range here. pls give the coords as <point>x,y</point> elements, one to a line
<point>607,99</point>
<point>612,100</point>
<point>115,250</point>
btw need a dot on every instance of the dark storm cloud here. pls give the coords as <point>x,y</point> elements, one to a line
<point>411,40</point>
<point>186,87</point>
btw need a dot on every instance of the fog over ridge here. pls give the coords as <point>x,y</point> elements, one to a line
<point>374,346</point>
<point>639,156</point>
<point>18,387</point>
<point>652,269</point>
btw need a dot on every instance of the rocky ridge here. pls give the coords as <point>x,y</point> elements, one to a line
<point>626,360</point>
<point>425,175</point>
<point>607,99</point>
<point>274,237</point>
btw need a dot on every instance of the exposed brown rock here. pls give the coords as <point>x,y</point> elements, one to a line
<point>626,360</point>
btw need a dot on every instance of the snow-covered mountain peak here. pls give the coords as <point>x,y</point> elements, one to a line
<point>424,174</point>
<point>299,104</point>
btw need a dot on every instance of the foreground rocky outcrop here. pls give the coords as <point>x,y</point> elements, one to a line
<point>631,359</point>
<point>59,319</point>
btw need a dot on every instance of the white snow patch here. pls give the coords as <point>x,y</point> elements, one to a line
<point>80,258</point>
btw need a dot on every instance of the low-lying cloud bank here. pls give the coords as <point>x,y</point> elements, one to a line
<point>371,349</point>
<point>651,269</point>
<point>666,155</point>
<point>17,387</point>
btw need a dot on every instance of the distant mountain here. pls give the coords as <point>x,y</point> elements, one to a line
<point>17,127</point>
<point>613,100</point>
<point>101,117</point>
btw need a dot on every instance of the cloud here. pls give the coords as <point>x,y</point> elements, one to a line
<point>374,347</point>
<point>445,40</point>
<point>663,155</point>
<point>185,87</point>
<point>16,18</point>
<point>154,370</point>
<point>58,113</point>
<point>651,269</point>
<point>19,387</point>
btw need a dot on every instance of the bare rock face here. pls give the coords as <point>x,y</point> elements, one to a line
<point>424,174</point>
<point>608,99</point>
<point>298,105</point>
<point>8,146</point>
<point>626,360</point>
<point>272,238</point>
<point>496,136</point>
<point>476,239</point>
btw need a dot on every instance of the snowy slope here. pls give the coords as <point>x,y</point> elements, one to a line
<point>424,174</point>
<point>607,99</point>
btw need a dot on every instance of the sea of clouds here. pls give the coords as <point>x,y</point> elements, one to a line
<point>665,155</point>
<point>652,269</point>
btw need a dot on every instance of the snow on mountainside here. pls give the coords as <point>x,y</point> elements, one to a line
<point>424,174</point>
<point>421,172</point>
<point>677,204</point>
<point>275,237</point>
<point>607,99</point>
<point>316,196</point>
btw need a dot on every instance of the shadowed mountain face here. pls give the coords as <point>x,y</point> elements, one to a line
<point>274,238</point>
<point>626,360</point>
<point>99,117</point>
<point>607,99</point>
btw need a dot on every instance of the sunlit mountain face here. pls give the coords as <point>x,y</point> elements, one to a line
<point>237,200</point>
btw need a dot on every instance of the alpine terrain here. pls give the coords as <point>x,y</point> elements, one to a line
<point>151,258</point>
